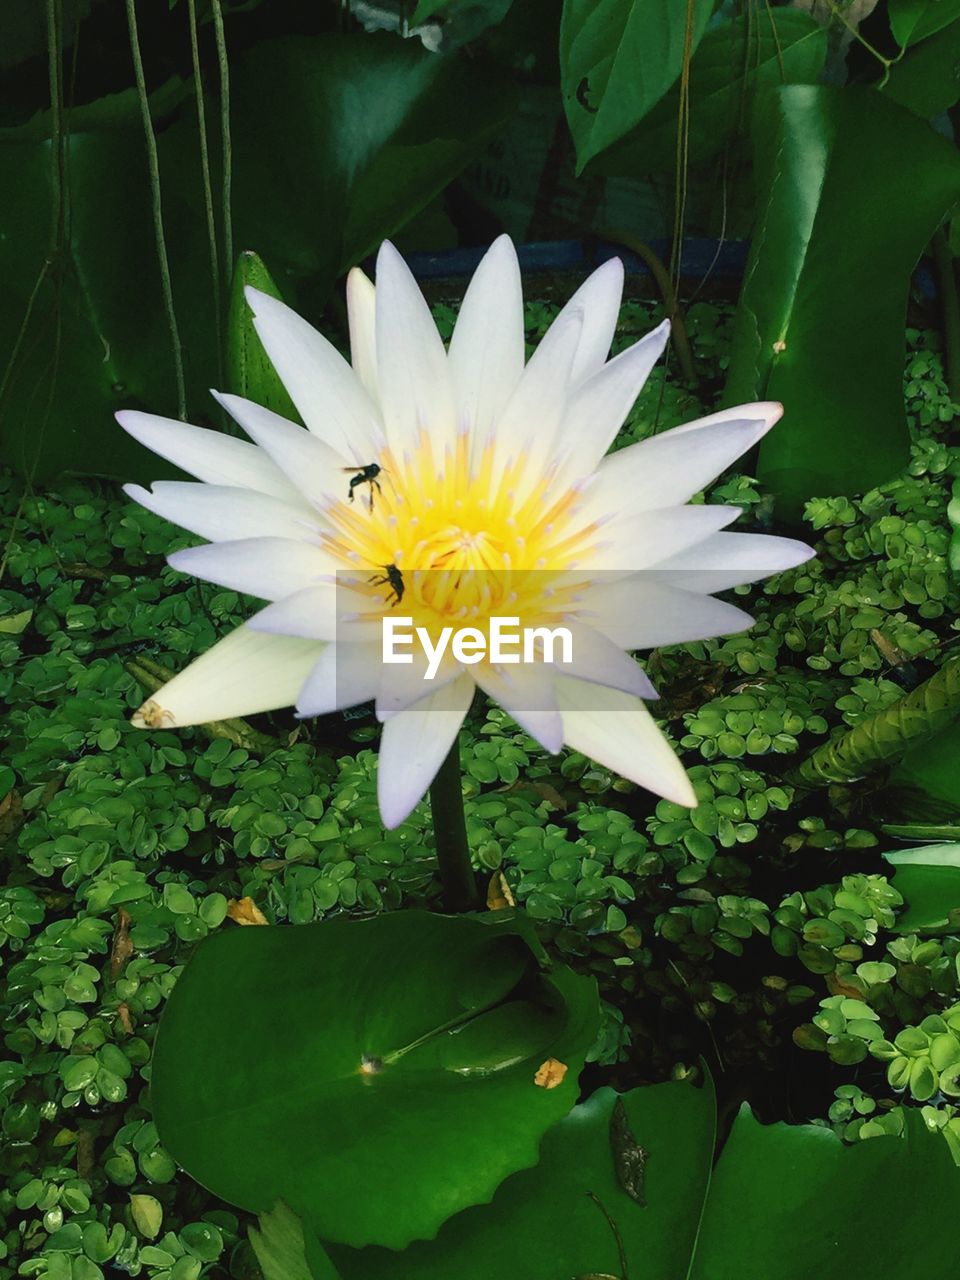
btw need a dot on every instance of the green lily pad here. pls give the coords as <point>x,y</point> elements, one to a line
<point>377,1075</point>
<point>552,1222</point>
<point>571,1216</point>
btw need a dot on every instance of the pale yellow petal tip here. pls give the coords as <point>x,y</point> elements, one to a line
<point>152,716</point>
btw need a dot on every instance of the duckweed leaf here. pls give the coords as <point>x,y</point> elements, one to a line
<point>285,1250</point>
<point>348,1066</point>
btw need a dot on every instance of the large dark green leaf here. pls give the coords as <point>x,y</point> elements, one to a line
<point>854,187</point>
<point>547,1223</point>
<point>735,61</point>
<point>929,879</point>
<point>618,58</point>
<point>913,20</point>
<point>792,1201</point>
<point>377,1075</point>
<point>933,767</point>
<point>785,1201</point>
<point>96,338</point>
<point>926,80</point>
<point>340,140</point>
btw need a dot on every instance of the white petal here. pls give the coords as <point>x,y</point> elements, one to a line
<point>343,676</point>
<point>731,559</point>
<point>486,350</point>
<point>404,683</point>
<point>242,674</point>
<point>618,731</point>
<point>324,611</point>
<point>670,468</point>
<point>412,370</point>
<point>415,744</point>
<point>528,426</point>
<point>265,567</point>
<point>527,693</point>
<point>326,391</point>
<point>598,407</point>
<point>599,300</point>
<point>361,317</point>
<point>222,512</point>
<point>627,543</point>
<point>597,659</point>
<point>641,612</point>
<point>208,455</point>
<point>312,466</point>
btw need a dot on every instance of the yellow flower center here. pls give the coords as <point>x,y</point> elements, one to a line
<point>454,532</point>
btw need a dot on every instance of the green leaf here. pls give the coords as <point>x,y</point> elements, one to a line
<point>618,58</point>
<point>929,879</point>
<point>285,1251</point>
<point>89,342</point>
<point>820,325</point>
<point>926,80</point>
<point>361,133</point>
<point>484,12</point>
<point>734,63</point>
<point>347,1067</point>
<point>913,20</point>
<point>553,1221</point>
<point>760,1233</point>
<point>249,371</point>
<point>147,1214</point>
<point>933,766</point>
<point>13,624</point>
<point>546,1223</point>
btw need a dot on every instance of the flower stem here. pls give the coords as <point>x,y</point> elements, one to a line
<point>450,833</point>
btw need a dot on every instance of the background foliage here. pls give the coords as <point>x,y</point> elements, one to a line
<point>793,941</point>
<point>762,933</point>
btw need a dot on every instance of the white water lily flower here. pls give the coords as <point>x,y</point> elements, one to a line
<point>494,494</point>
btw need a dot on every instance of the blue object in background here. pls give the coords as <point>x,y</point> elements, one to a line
<point>702,259</point>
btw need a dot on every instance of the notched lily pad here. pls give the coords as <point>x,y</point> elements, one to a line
<point>352,1067</point>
